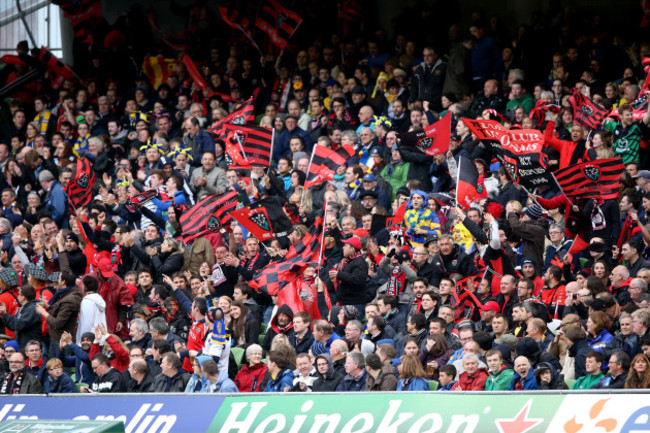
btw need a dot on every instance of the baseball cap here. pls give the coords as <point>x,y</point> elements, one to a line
<point>643,173</point>
<point>354,241</point>
<point>369,177</point>
<point>106,267</point>
<point>492,306</point>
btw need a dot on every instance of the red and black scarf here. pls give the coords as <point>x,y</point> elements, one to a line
<point>396,282</point>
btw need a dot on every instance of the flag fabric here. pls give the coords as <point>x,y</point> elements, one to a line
<point>239,21</point>
<point>59,71</point>
<point>255,142</point>
<point>520,151</point>
<point>158,68</point>
<point>264,219</point>
<point>468,187</point>
<point>593,179</point>
<point>140,199</point>
<point>278,22</point>
<point>210,214</point>
<point>585,111</point>
<point>325,161</point>
<point>194,72</point>
<point>639,108</point>
<point>235,158</point>
<point>432,140</point>
<point>275,277</point>
<point>398,216</point>
<point>245,114</point>
<point>80,188</point>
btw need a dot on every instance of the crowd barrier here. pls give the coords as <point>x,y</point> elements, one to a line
<point>412,412</point>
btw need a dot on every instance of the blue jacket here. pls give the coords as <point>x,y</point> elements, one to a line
<point>179,199</point>
<point>414,384</point>
<point>284,379</point>
<point>81,362</point>
<point>529,382</point>
<point>224,384</point>
<point>56,203</point>
<point>350,383</point>
<point>600,341</point>
<point>62,385</point>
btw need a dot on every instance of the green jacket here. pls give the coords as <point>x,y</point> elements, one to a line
<point>588,381</point>
<point>398,177</point>
<point>500,381</point>
<point>527,101</point>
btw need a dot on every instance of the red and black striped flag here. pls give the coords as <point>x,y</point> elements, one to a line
<point>585,111</point>
<point>59,71</point>
<point>278,22</point>
<point>208,215</point>
<point>432,140</point>
<point>265,218</point>
<point>275,277</point>
<point>593,179</point>
<point>255,143</point>
<point>245,114</point>
<point>468,187</point>
<point>80,188</point>
<point>325,161</point>
<point>238,20</point>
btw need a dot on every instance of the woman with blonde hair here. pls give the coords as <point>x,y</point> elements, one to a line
<point>412,376</point>
<point>602,144</point>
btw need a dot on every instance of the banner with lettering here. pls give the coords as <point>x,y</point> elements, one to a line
<point>519,150</point>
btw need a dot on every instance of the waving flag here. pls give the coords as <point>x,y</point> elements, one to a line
<point>237,20</point>
<point>255,142</point>
<point>325,161</point>
<point>80,188</point>
<point>265,218</point>
<point>245,114</point>
<point>639,108</point>
<point>585,111</point>
<point>278,22</point>
<point>273,278</point>
<point>593,179</point>
<point>519,150</point>
<point>432,140</point>
<point>158,68</point>
<point>208,215</point>
<point>59,71</point>
<point>468,187</point>
<point>194,73</point>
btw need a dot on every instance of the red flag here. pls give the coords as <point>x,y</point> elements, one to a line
<point>398,216</point>
<point>432,140</point>
<point>245,114</point>
<point>579,244</point>
<point>254,141</point>
<point>238,21</point>
<point>325,161</point>
<point>468,187</point>
<point>585,111</point>
<point>59,71</point>
<point>79,189</point>
<point>593,179</point>
<point>278,22</point>
<point>194,73</point>
<point>157,69</point>
<point>208,215</point>
<point>264,219</point>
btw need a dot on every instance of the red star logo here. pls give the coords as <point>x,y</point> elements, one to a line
<point>520,424</point>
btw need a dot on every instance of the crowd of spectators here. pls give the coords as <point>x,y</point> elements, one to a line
<point>109,298</point>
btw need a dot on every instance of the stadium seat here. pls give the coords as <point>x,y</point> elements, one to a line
<point>261,338</point>
<point>80,384</point>
<point>238,353</point>
<point>433,385</point>
<point>570,382</point>
<point>263,328</point>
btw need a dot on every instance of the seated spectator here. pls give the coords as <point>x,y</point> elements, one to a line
<point>500,375</point>
<point>172,378</point>
<point>250,376</point>
<point>140,378</point>
<point>447,377</point>
<point>523,378</point>
<point>281,375</point>
<point>593,367</point>
<point>305,374</point>
<point>57,382</point>
<point>381,377</point>
<point>473,378</point>
<point>356,377</point>
<point>77,356</point>
<point>619,366</point>
<point>412,375</point>
<point>639,374</point>
<point>216,382</point>
<point>19,381</point>
<point>107,378</point>
<point>327,379</point>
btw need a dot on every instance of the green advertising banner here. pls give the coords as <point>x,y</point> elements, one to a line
<point>434,412</point>
<point>52,426</point>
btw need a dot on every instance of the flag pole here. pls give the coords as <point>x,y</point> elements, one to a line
<point>458,180</point>
<point>322,239</point>
<point>563,193</point>
<point>268,171</point>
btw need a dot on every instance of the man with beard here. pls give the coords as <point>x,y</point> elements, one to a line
<point>282,323</point>
<point>19,381</point>
<point>529,269</point>
<point>76,356</point>
<point>450,260</point>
